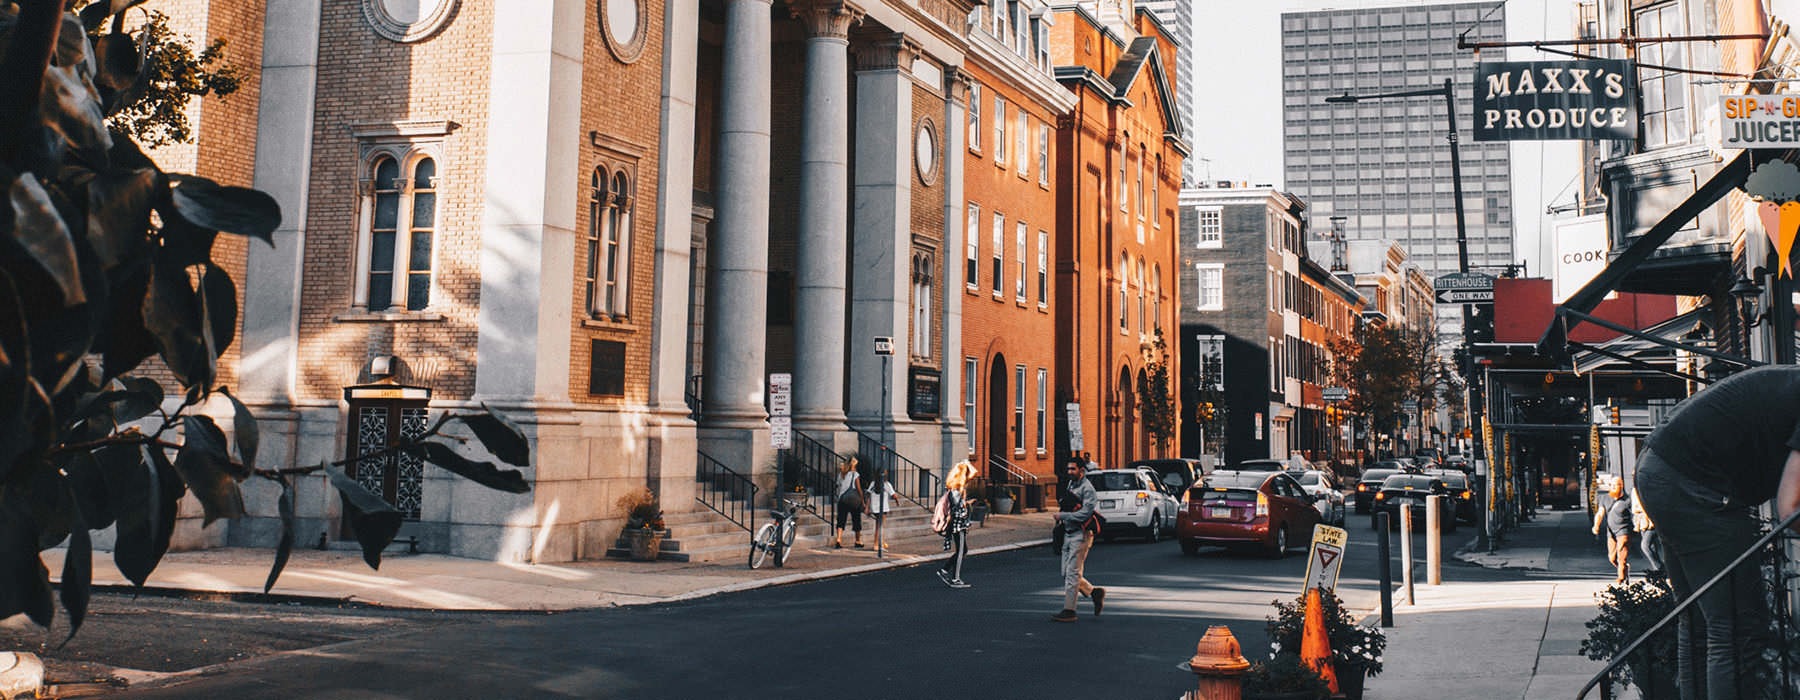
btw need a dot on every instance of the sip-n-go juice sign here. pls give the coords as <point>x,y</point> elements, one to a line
<point>1759,121</point>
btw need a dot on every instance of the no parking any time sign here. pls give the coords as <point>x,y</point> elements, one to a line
<point>1325,559</point>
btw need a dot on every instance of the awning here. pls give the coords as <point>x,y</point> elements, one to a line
<point>1641,353</point>
<point>1554,342</point>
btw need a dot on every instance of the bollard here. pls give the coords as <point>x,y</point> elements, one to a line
<point>1406,559</point>
<point>1220,664</point>
<point>1434,543</point>
<point>1387,571</point>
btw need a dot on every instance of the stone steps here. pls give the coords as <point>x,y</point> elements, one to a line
<point>703,536</point>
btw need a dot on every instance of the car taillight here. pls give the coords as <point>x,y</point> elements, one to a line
<point>1262,504</point>
<point>1362,488</point>
<point>1466,494</point>
<point>1143,496</point>
<point>1381,497</point>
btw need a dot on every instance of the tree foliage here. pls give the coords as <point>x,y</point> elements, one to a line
<point>1156,395</point>
<point>1211,410</point>
<point>153,108</point>
<point>107,263</point>
<point>1388,366</point>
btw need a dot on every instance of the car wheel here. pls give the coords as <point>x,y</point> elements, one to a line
<point>1281,543</point>
<point>1155,533</point>
<point>1190,548</point>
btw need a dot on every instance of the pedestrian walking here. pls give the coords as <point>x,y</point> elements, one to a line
<point>1649,540</point>
<point>1616,518</point>
<point>849,503</point>
<point>880,500</point>
<point>1723,453</point>
<point>956,533</point>
<point>1080,525</point>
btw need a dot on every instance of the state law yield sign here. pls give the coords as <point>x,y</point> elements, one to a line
<point>1325,558</point>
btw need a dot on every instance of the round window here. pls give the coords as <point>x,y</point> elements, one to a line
<point>622,23</point>
<point>408,20</point>
<point>925,151</point>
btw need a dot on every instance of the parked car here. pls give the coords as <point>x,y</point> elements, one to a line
<point>1260,465</point>
<point>1409,491</point>
<point>1370,484</point>
<point>1428,456</point>
<point>1462,494</point>
<point>1176,475</point>
<point>1459,463</point>
<point>1132,500</point>
<point>1266,510</point>
<point>1331,497</point>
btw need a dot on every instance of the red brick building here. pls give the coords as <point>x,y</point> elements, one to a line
<point>1118,163</point>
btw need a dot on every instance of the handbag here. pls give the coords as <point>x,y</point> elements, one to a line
<point>851,499</point>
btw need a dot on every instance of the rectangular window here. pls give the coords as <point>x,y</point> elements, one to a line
<point>606,368</point>
<point>971,370</point>
<point>975,116</point>
<point>1663,94</point>
<point>398,240</point>
<point>1000,23</point>
<point>1212,227</point>
<point>1124,301</point>
<point>1043,269</point>
<point>1211,351</point>
<point>1140,186</point>
<point>1043,154</point>
<point>1043,390</point>
<point>1210,280</point>
<point>999,252</point>
<point>1018,408</point>
<point>1019,250</point>
<point>972,268</point>
<point>921,286</point>
<point>999,129</point>
<point>1023,136</point>
<point>1043,45</point>
<point>1274,366</point>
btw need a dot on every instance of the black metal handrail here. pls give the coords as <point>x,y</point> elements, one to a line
<point>1002,472</point>
<point>1682,606</point>
<point>692,393</point>
<point>814,466</point>
<point>912,481</point>
<point>726,492</point>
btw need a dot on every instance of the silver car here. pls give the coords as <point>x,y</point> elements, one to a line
<point>1323,483</point>
<point>1133,501</point>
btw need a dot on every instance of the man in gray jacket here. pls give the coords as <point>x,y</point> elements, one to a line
<point>1078,538</point>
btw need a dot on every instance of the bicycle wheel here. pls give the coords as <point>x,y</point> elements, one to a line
<point>761,543</point>
<point>787,542</point>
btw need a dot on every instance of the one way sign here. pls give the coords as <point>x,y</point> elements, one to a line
<point>1465,296</point>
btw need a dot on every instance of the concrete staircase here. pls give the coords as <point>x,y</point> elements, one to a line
<point>705,536</point>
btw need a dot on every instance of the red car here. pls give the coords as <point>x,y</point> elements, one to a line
<point>1267,510</point>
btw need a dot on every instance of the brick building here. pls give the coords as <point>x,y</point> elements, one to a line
<point>1015,104</point>
<point>1118,162</point>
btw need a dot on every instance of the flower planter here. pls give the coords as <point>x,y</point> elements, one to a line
<point>645,544</point>
<point>1003,506</point>
<point>1350,682</point>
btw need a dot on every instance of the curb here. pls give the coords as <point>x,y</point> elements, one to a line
<point>831,573</point>
<point>21,674</point>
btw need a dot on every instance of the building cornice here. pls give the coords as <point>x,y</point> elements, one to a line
<point>988,55</point>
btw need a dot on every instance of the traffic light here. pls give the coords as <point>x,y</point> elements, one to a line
<point>1206,410</point>
<point>1481,323</point>
<point>1615,415</point>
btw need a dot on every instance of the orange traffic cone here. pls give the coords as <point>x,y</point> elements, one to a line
<point>1315,646</point>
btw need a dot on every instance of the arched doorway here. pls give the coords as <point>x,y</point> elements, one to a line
<point>1127,440</point>
<point>1143,436</point>
<point>998,417</point>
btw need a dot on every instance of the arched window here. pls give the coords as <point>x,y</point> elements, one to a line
<point>1143,322</point>
<point>401,201</point>
<point>609,245</point>
<point>922,270</point>
<point>1156,318</point>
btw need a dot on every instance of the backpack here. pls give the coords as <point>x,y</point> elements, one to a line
<point>940,515</point>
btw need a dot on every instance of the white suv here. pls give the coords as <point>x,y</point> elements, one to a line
<point>1132,500</point>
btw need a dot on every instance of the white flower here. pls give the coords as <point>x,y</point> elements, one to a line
<point>1275,647</point>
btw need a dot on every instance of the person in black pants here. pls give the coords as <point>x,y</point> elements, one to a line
<point>1723,453</point>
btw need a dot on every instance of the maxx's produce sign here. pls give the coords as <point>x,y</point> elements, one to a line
<point>1555,100</point>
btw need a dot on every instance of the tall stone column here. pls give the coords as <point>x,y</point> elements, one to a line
<point>738,273</point>
<point>824,245</point>
<point>955,133</point>
<point>882,245</point>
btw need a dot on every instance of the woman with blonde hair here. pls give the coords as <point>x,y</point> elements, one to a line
<point>956,535</point>
<point>849,503</point>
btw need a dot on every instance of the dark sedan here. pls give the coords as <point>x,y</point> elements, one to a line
<point>1410,490</point>
<point>1369,485</point>
<point>1461,493</point>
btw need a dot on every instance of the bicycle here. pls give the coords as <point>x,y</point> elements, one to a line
<point>777,536</point>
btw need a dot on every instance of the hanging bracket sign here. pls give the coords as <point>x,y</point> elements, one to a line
<point>1587,99</point>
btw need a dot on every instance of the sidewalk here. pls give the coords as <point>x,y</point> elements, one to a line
<point>439,582</point>
<point>1518,637</point>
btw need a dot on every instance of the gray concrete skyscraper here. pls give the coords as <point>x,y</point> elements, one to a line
<point>1178,16</point>
<point>1384,164</point>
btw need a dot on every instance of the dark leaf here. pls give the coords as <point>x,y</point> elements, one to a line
<point>137,403</point>
<point>126,339</point>
<point>205,468</point>
<point>24,582</point>
<point>285,546</point>
<point>219,296</point>
<point>132,495</point>
<point>172,313</point>
<point>46,500</point>
<point>126,155</point>
<point>78,570</point>
<point>243,427</point>
<point>183,243</point>
<point>71,110</point>
<point>94,16</point>
<point>39,229</point>
<point>376,523</point>
<point>119,214</point>
<point>88,487</point>
<point>238,210</point>
<point>15,376</point>
<point>72,46</point>
<point>500,436</point>
<point>484,473</point>
<point>117,62</point>
<point>169,490</point>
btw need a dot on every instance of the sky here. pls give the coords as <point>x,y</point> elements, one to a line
<point>1237,117</point>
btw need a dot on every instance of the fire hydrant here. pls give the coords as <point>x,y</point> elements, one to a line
<point>1220,664</point>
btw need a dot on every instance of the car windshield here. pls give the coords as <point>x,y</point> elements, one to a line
<point>1405,481</point>
<point>1217,495</point>
<point>1261,465</point>
<point>1455,481</point>
<point>1309,479</point>
<point>1377,475</point>
<point>1114,481</point>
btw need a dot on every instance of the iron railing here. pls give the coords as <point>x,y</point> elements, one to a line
<point>814,466</point>
<point>1002,472</point>
<point>1784,656</point>
<point>726,492</point>
<point>692,394</point>
<point>912,481</point>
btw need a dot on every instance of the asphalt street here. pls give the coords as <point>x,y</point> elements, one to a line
<point>897,633</point>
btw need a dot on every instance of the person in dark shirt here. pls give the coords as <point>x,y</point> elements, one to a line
<point>1616,517</point>
<point>1723,453</point>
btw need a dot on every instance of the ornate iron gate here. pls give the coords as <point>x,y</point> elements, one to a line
<point>382,415</point>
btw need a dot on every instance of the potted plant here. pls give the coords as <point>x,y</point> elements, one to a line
<point>644,529</point>
<point>1284,677</point>
<point>1356,650</point>
<point>1626,612</point>
<point>978,510</point>
<point>1003,500</point>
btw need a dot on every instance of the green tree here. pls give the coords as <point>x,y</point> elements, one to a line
<point>106,263</point>
<point>1381,370</point>
<point>153,108</point>
<point>1156,395</point>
